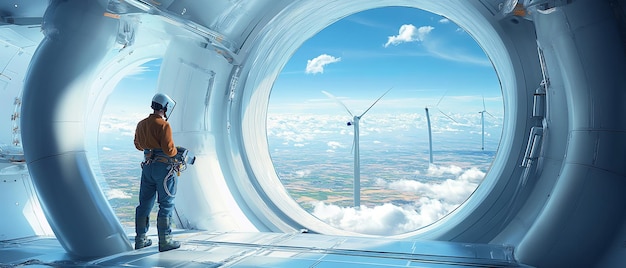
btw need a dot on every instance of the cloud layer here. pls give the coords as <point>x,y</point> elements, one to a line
<point>438,189</point>
<point>438,198</point>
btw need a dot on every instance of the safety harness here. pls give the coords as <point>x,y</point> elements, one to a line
<point>177,163</point>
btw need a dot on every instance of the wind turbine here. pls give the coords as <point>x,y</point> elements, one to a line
<point>357,157</point>
<point>482,120</point>
<point>430,135</point>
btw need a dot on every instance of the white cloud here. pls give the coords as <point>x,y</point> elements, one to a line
<point>436,47</point>
<point>451,53</point>
<point>117,193</point>
<point>121,125</point>
<point>435,170</point>
<point>437,199</point>
<point>335,145</point>
<point>138,71</point>
<point>303,173</point>
<point>317,64</point>
<point>386,219</point>
<point>328,132</point>
<point>409,33</point>
<point>452,191</point>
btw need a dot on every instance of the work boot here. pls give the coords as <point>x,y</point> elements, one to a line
<point>141,228</point>
<point>141,241</point>
<point>166,241</point>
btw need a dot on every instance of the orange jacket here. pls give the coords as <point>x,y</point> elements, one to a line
<point>155,133</point>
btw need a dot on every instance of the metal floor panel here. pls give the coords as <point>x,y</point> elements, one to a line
<point>204,249</point>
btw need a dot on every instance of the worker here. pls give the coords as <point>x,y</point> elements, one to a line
<point>153,136</point>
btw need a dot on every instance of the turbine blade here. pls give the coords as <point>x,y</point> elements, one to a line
<point>484,104</point>
<point>381,96</point>
<point>440,99</point>
<point>352,149</point>
<point>449,117</point>
<point>338,101</point>
<point>485,109</point>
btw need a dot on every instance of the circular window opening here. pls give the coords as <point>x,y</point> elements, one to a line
<point>396,76</point>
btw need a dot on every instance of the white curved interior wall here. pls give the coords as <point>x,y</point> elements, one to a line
<point>507,190</point>
<point>217,211</point>
<point>234,187</point>
<point>263,202</point>
<point>22,214</point>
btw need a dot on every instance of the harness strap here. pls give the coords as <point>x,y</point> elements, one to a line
<point>151,155</point>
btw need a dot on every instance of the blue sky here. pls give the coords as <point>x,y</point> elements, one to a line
<point>421,55</point>
<point>134,92</point>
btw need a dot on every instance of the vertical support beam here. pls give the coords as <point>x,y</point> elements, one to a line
<point>78,35</point>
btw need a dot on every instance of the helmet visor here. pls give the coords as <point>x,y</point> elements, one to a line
<point>169,108</point>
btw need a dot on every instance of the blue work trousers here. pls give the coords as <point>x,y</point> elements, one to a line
<point>157,183</point>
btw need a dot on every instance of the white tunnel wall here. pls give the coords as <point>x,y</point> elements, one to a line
<point>195,77</point>
<point>585,55</point>
<point>238,121</point>
<point>494,204</point>
<point>222,108</point>
<point>22,213</point>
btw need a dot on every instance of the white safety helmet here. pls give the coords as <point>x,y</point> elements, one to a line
<point>163,102</point>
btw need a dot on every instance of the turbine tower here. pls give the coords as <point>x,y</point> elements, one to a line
<point>357,156</point>
<point>482,121</point>
<point>430,135</point>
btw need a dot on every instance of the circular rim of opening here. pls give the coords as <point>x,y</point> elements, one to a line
<point>259,82</point>
<point>408,196</point>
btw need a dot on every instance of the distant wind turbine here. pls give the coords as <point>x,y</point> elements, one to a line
<point>357,157</point>
<point>482,120</point>
<point>430,135</point>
